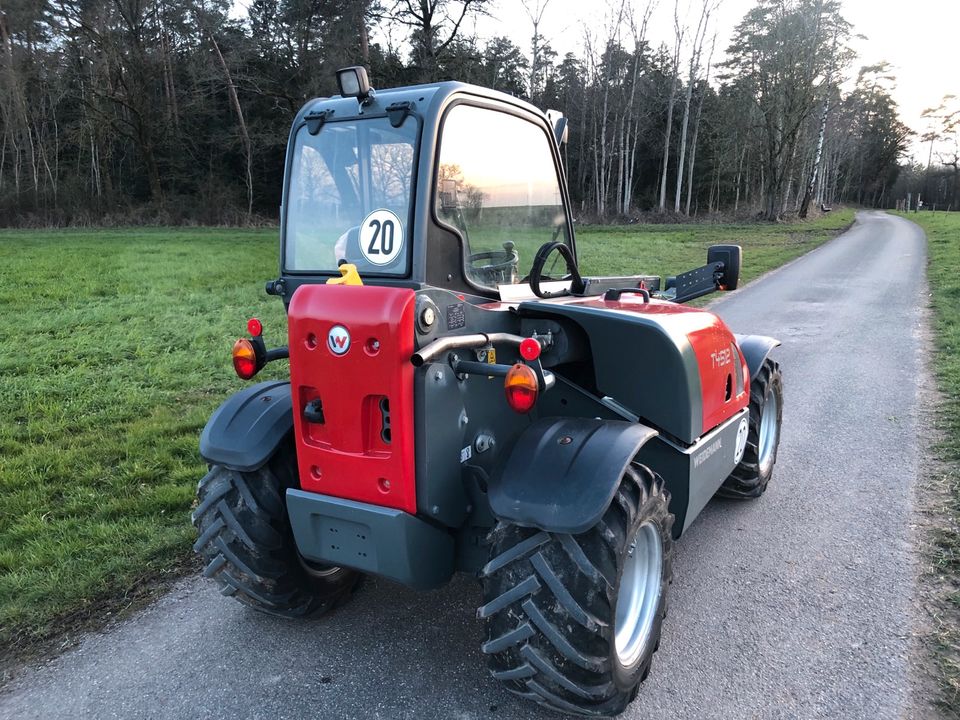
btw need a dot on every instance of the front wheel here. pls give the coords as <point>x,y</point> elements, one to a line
<point>751,477</point>
<point>573,620</point>
<point>248,546</point>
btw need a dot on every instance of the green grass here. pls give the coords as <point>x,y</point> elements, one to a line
<point>943,271</point>
<point>669,249</point>
<point>114,351</point>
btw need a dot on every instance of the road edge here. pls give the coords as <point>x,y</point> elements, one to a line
<point>937,617</point>
<point>773,271</point>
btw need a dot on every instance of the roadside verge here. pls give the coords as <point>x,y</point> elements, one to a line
<point>942,500</point>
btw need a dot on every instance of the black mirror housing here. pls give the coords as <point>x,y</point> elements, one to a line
<point>731,257</point>
<point>353,82</point>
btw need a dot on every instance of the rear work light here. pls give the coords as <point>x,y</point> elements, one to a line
<point>244,359</point>
<point>521,388</point>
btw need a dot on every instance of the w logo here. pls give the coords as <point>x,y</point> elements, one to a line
<point>338,340</point>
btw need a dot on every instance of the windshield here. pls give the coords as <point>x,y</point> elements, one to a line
<point>502,196</point>
<point>349,197</point>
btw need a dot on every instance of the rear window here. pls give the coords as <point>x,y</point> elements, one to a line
<point>349,197</point>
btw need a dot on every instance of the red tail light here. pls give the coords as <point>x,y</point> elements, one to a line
<point>521,388</point>
<point>244,359</point>
<point>530,349</point>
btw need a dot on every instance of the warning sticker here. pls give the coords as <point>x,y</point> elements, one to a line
<point>456,317</point>
<point>381,237</point>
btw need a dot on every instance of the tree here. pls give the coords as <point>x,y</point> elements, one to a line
<point>876,138</point>
<point>504,67</point>
<point>696,128</point>
<point>781,54</point>
<point>154,111</point>
<point>434,24</point>
<point>535,13</point>
<point>678,34</point>
<point>697,49</point>
<point>945,134</point>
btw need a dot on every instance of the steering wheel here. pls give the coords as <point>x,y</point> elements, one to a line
<point>577,285</point>
<point>496,266</point>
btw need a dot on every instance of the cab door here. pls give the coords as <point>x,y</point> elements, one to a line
<point>499,191</point>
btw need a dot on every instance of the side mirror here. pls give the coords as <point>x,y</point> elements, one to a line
<point>730,256</point>
<point>560,128</point>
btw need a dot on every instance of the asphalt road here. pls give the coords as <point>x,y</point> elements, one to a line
<point>799,605</point>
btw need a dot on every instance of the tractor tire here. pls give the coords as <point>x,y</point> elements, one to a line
<point>554,609</point>
<point>248,546</point>
<point>750,478</point>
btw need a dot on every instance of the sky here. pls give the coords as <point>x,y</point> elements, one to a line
<point>918,38</point>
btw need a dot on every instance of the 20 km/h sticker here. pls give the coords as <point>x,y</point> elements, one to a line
<point>381,237</point>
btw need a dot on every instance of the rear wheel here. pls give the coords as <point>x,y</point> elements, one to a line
<point>248,545</point>
<point>573,620</point>
<point>750,478</point>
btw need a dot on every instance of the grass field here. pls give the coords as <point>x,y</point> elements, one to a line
<point>114,351</point>
<point>943,235</point>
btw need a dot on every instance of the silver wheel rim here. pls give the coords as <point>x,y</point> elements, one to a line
<point>316,570</point>
<point>768,430</point>
<point>639,595</point>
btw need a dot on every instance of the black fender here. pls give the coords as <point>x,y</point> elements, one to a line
<point>755,349</point>
<point>245,431</point>
<point>562,473</point>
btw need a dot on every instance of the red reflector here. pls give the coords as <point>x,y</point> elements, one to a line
<point>521,388</point>
<point>244,359</point>
<point>254,327</point>
<point>530,349</point>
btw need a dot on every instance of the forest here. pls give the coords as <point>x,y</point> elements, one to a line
<point>118,112</point>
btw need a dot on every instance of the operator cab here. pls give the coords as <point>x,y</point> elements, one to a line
<point>449,186</point>
<point>445,185</point>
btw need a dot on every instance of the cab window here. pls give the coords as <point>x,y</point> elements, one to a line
<point>349,197</point>
<point>497,186</point>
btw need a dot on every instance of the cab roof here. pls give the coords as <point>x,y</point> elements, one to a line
<point>427,99</point>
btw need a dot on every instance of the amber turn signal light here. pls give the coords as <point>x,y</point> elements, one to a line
<point>244,359</point>
<point>521,388</point>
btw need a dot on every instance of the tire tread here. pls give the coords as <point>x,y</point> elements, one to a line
<point>747,482</point>
<point>550,598</point>
<point>245,539</point>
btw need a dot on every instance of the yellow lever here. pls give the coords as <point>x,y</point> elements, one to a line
<point>348,276</point>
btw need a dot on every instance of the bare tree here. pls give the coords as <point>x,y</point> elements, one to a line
<point>535,11</point>
<point>697,48</point>
<point>241,123</point>
<point>635,116</point>
<point>696,128</point>
<point>815,168</point>
<point>123,106</point>
<point>678,34</point>
<point>435,25</point>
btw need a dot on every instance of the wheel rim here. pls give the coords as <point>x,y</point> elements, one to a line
<point>317,570</point>
<point>768,430</point>
<point>639,595</point>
